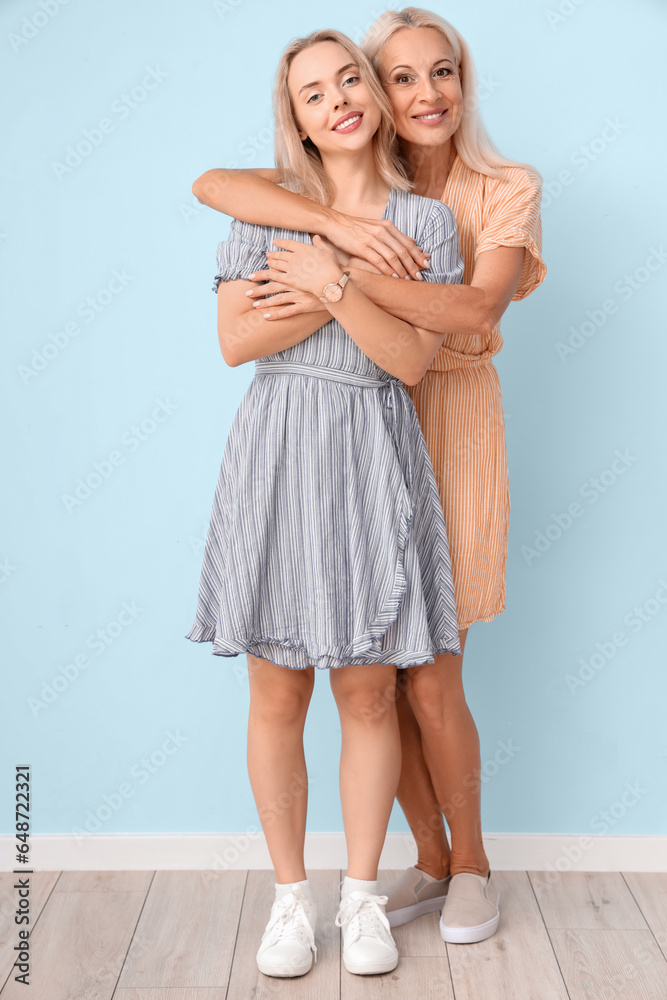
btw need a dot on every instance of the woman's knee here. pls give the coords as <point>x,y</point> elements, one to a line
<point>281,697</point>
<point>368,698</point>
<point>435,695</point>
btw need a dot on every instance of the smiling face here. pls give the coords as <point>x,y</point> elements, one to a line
<point>419,73</point>
<point>333,106</point>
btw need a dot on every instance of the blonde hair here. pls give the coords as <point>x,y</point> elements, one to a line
<point>299,161</point>
<point>473,143</point>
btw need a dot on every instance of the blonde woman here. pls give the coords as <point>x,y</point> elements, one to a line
<point>327,545</point>
<point>427,72</point>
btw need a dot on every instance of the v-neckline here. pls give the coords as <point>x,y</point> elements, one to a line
<point>386,208</point>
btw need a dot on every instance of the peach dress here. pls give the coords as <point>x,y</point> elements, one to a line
<point>459,402</point>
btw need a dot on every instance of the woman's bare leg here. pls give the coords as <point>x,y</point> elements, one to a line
<point>279,699</point>
<point>416,794</point>
<point>370,760</point>
<point>450,745</point>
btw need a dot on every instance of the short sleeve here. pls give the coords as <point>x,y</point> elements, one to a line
<point>512,219</point>
<point>242,253</point>
<point>441,239</point>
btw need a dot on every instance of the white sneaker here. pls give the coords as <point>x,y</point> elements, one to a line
<point>368,946</point>
<point>288,943</point>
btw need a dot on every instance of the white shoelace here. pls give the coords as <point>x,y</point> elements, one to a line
<point>360,914</point>
<point>289,919</point>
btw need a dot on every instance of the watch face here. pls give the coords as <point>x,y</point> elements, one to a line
<point>333,292</point>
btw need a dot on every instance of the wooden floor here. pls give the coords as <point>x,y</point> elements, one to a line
<point>193,935</point>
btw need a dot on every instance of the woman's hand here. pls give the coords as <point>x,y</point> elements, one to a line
<point>286,302</point>
<point>305,267</point>
<point>342,257</point>
<point>380,243</point>
<point>362,264</point>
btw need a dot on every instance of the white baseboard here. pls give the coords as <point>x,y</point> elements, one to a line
<point>506,852</point>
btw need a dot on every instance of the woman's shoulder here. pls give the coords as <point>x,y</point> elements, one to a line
<point>515,179</point>
<point>509,178</point>
<point>426,213</point>
<point>249,232</point>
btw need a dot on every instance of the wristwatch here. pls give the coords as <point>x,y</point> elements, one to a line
<point>334,290</point>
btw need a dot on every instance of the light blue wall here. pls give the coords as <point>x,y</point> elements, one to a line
<point>142,380</point>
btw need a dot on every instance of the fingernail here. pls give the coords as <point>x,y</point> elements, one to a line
<point>427,263</point>
<point>394,275</point>
<point>250,291</point>
<point>419,277</point>
<point>267,315</point>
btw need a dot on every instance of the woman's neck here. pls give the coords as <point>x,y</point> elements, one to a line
<point>429,166</point>
<point>358,187</point>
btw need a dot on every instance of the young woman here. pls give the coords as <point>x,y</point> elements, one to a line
<point>428,74</point>
<point>327,544</point>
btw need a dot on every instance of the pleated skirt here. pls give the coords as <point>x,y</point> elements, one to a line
<point>327,544</point>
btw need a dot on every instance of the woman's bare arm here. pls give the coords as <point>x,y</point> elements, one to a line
<point>255,196</point>
<point>396,346</point>
<point>245,334</point>
<point>473,309</point>
<point>465,309</point>
<point>401,348</point>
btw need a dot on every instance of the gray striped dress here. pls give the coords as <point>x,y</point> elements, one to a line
<point>327,543</point>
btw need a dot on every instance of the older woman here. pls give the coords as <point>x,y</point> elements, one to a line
<point>427,71</point>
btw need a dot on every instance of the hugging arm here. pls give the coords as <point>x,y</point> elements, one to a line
<point>255,196</point>
<point>401,348</point>
<point>508,267</point>
<point>245,334</point>
<point>443,308</point>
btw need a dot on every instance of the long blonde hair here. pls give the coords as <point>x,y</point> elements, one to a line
<point>299,161</point>
<point>473,143</point>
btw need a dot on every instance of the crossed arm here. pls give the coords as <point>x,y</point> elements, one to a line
<point>396,345</point>
<point>255,196</point>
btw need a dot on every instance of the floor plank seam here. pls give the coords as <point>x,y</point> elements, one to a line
<point>546,929</point>
<point>238,928</point>
<point>131,941</point>
<point>595,939</point>
<point>451,974</point>
<point>648,925</point>
<point>44,905</point>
